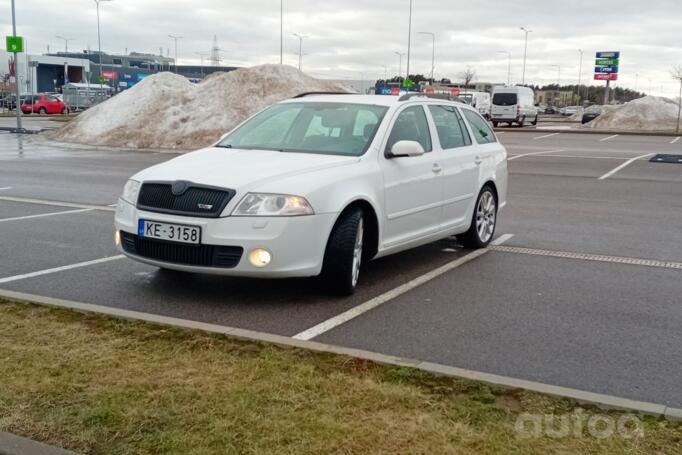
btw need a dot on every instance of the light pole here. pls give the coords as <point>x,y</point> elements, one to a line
<point>66,51</point>
<point>409,41</point>
<point>385,71</point>
<point>433,50</point>
<point>400,63</point>
<point>300,50</point>
<point>508,66</point>
<point>17,103</point>
<point>580,71</point>
<point>281,32</point>
<point>99,38</point>
<point>66,43</point>
<point>202,55</point>
<point>525,52</point>
<point>558,80</point>
<point>175,60</point>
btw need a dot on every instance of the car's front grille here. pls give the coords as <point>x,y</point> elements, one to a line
<point>192,200</point>
<point>181,253</point>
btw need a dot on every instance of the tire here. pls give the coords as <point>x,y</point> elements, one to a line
<point>534,122</point>
<point>42,111</point>
<point>483,221</point>
<point>65,111</point>
<point>494,124</point>
<point>343,255</point>
<point>522,122</point>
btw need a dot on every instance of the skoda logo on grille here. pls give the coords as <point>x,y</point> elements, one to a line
<point>205,206</point>
<point>179,187</point>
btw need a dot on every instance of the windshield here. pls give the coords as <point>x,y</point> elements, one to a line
<point>504,99</point>
<point>325,128</point>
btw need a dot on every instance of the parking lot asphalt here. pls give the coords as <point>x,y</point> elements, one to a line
<point>588,320</point>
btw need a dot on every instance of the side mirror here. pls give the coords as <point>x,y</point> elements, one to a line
<point>406,148</point>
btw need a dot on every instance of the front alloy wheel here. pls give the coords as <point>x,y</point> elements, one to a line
<point>343,256</point>
<point>483,223</point>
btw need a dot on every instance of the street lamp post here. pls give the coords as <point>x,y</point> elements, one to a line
<point>525,52</point>
<point>16,73</point>
<point>99,38</point>
<point>175,60</point>
<point>202,55</point>
<point>400,63</point>
<point>300,50</point>
<point>409,41</point>
<point>66,43</point>
<point>281,32</point>
<point>580,71</point>
<point>433,51</point>
<point>66,51</point>
<point>508,66</point>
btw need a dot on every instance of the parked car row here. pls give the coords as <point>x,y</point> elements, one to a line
<point>43,104</point>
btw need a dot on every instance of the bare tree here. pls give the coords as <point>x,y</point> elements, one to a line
<point>467,76</point>
<point>676,73</point>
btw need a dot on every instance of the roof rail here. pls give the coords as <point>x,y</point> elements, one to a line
<point>437,96</point>
<point>303,95</point>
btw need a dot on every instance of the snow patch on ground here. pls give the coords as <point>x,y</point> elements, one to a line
<point>167,111</point>
<point>651,113</point>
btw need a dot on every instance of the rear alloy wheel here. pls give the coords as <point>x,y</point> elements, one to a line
<point>534,122</point>
<point>343,256</point>
<point>483,222</point>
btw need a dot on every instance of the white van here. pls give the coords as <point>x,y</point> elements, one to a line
<point>514,105</point>
<point>479,100</point>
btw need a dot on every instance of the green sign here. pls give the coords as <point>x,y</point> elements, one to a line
<point>607,62</point>
<point>14,43</point>
<point>408,83</point>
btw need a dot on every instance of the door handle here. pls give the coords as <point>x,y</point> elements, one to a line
<point>478,160</point>
<point>436,168</point>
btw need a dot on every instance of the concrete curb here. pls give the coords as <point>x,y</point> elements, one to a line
<point>11,444</point>
<point>581,396</point>
<point>587,131</point>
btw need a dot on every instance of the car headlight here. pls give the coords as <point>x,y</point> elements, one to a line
<point>264,204</point>
<point>130,191</point>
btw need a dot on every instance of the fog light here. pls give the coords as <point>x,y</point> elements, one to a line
<point>260,257</point>
<point>117,237</point>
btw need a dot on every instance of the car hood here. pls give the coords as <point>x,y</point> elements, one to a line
<point>239,169</point>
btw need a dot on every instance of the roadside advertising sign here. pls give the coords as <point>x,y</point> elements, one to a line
<point>606,77</point>
<point>605,69</point>
<point>608,54</point>
<point>110,75</point>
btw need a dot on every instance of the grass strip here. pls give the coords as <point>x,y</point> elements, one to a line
<point>100,385</point>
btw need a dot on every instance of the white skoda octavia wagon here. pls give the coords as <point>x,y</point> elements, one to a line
<point>319,184</point>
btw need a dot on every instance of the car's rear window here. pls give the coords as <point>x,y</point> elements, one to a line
<point>504,99</point>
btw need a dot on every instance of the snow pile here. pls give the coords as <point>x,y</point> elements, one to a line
<point>651,113</point>
<point>167,111</point>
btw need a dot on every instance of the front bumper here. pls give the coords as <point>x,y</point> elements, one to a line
<point>297,244</point>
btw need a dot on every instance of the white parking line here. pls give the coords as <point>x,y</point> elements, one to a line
<point>5,188</point>
<point>354,312</point>
<point>624,165</point>
<point>546,135</point>
<point>57,203</point>
<point>607,138</point>
<point>515,157</point>
<point>42,215</point>
<point>672,142</point>
<point>60,269</point>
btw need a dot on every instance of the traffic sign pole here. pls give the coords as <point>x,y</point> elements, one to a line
<point>17,104</point>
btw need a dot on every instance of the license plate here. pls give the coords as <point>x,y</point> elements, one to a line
<point>168,231</point>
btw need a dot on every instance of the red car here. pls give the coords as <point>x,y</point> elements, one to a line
<point>43,104</point>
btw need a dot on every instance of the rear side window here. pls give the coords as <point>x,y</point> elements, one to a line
<point>505,99</point>
<point>480,128</point>
<point>411,125</point>
<point>451,131</point>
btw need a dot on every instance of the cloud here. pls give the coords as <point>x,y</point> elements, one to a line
<point>350,37</point>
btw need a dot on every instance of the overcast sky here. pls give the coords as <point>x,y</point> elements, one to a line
<point>348,37</point>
